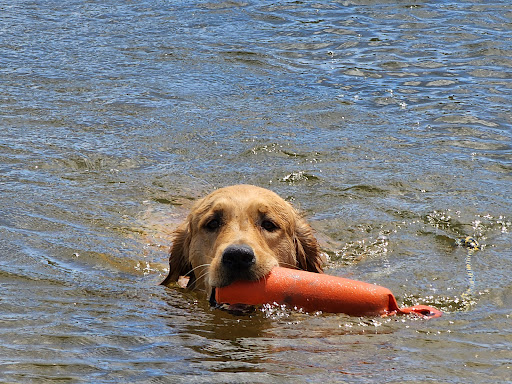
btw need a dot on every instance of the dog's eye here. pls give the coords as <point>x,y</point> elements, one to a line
<point>212,225</point>
<point>269,226</point>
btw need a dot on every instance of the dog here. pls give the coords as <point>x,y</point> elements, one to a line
<point>240,232</point>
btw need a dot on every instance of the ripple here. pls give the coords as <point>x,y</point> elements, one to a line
<point>458,119</point>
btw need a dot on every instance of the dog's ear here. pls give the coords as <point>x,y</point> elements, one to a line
<point>307,248</point>
<point>179,264</point>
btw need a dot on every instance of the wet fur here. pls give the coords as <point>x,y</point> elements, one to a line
<point>240,215</point>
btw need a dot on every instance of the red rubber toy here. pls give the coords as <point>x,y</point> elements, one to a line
<point>318,292</point>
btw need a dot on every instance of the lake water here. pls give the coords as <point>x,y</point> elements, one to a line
<point>387,123</point>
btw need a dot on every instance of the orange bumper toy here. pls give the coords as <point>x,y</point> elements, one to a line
<point>318,292</point>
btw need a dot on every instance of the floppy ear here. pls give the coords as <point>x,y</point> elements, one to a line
<point>306,248</point>
<point>179,264</point>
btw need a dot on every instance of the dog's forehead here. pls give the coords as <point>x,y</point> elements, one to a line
<point>250,199</point>
<point>243,202</point>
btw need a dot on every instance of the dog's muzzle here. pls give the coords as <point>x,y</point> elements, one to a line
<point>238,258</point>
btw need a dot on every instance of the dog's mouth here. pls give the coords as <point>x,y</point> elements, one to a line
<point>211,299</point>
<point>235,309</point>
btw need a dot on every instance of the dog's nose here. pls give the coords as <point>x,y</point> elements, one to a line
<point>238,257</point>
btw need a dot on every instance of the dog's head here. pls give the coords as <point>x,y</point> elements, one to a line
<point>240,233</point>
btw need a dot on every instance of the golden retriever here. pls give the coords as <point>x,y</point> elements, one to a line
<point>240,233</point>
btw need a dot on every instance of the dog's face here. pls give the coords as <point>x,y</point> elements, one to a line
<point>240,233</point>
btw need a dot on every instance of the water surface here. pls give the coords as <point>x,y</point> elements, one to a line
<point>388,124</point>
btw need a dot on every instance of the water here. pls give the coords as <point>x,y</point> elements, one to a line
<point>387,123</point>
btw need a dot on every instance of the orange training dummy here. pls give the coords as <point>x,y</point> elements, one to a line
<point>318,292</point>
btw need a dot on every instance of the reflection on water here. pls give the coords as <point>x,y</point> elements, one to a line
<point>387,124</point>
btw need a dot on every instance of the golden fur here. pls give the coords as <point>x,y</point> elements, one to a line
<point>240,233</point>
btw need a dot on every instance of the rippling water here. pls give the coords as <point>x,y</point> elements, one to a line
<point>388,123</point>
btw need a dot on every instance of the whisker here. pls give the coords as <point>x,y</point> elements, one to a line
<point>198,278</point>
<point>201,276</point>
<point>199,266</point>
